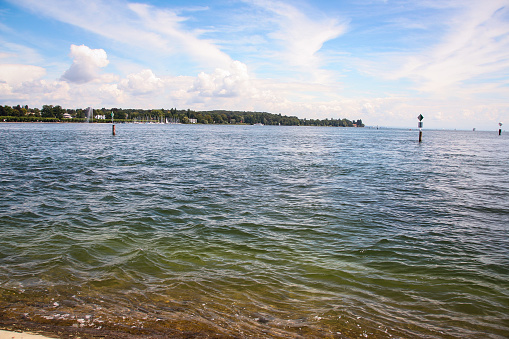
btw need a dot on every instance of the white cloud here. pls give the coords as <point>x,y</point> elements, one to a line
<point>111,93</point>
<point>86,64</point>
<point>223,83</point>
<point>15,74</point>
<point>144,82</point>
<point>47,91</point>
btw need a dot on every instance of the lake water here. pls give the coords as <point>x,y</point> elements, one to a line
<point>250,231</point>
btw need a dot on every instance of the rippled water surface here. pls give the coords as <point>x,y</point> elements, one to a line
<point>188,230</point>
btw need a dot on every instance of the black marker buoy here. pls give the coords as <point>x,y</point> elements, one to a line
<point>420,117</point>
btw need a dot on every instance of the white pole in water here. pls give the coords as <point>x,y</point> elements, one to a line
<point>420,117</point>
<point>500,129</point>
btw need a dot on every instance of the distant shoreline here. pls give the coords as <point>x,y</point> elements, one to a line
<point>184,116</point>
<point>155,123</point>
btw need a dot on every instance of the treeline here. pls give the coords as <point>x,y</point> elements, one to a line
<point>57,113</point>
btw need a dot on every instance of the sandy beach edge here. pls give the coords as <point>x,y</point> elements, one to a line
<point>4,334</point>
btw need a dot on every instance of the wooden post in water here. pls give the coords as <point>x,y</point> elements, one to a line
<point>113,126</point>
<point>420,117</point>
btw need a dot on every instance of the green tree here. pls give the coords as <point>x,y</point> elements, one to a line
<point>80,113</point>
<point>58,112</point>
<point>208,119</point>
<point>47,111</point>
<point>6,111</point>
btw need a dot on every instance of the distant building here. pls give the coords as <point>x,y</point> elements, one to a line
<point>67,116</point>
<point>100,116</point>
<point>193,121</point>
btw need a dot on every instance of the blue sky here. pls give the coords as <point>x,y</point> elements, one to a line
<point>385,62</point>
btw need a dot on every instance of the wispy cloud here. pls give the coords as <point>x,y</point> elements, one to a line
<point>162,33</point>
<point>474,50</point>
<point>17,53</point>
<point>165,23</point>
<point>150,30</point>
<point>300,36</point>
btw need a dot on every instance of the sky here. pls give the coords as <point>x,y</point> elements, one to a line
<point>381,61</point>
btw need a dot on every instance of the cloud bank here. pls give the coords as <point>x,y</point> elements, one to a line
<point>15,74</point>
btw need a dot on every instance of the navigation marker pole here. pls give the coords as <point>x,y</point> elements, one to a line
<point>500,129</point>
<point>420,117</point>
<point>113,126</point>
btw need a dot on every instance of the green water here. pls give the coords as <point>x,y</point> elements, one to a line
<point>247,231</point>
